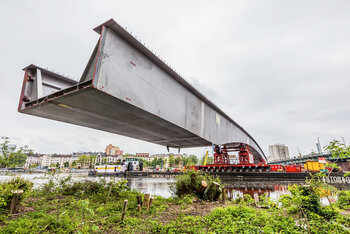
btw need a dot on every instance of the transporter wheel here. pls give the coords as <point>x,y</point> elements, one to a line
<point>260,170</point>
<point>222,170</point>
<point>234,169</point>
<point>268,169</point>
<point>217,170</point>
<point>211,170</point>
<point>241,169</point>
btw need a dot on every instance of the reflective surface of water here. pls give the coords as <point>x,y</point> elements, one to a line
<point>154,186</point>
<point>163,186</point>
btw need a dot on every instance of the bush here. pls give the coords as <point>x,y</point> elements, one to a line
<point>308,199</point>
<point>343,201</point>
<point>7,188</point>
<point>189,182</point>
<point>91,187</point>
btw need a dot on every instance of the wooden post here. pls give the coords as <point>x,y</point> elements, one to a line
<point>223,195</point>
<point>150,202</point>
<point>15,201</point>
<point>146,200</point>
<point>139,200</point>
<point>109,193</point>
<point>124,210</point>
<point>139,208</point>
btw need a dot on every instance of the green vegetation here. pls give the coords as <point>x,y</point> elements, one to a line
<point>10,157</point>
<point>171,160</point>
<point>154,163</point>
<point>66,164</point>
<point>210,160</point>
<point>63,206</point>
<point>87,160</point>
<point>338,150</point>
<point>189,160</point>
<point>189,183</point>
<point>7,188</point>
<point>343,201</point>
<point>34,165</point>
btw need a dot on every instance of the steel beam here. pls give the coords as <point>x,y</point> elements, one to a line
<point>126,89</point>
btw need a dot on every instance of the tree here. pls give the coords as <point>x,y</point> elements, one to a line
<point>178,161</point>
<point>145,162</point>
<point>126,155</point>
<point>66,164</point>
<point>104,160</point>
<point>157,162</point>
<point>338,151</point>
<point>171,160</point>
<point>34,165</point>
<point>190,160</point>
<point>210,160</point>
<point>74,164</point>
<point>12,157</point>
<point>58,165</point>
<point>92,160</point>
<point>84,159</point>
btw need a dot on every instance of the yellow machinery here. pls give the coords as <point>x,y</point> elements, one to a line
<point>314,166</point>
<point>206,157</point>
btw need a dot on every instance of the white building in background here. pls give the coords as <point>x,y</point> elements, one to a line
<point>278,152</point>
<point>144,156</point>
<point>34,159</point>
<point>45,160</point>
<point>49,159</point>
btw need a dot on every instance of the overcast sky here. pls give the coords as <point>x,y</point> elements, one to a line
<point>281,69</point>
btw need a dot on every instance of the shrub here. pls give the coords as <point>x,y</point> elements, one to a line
<point>189,182</point>
<point>91,187</point>
<point>343,201</point>
<point>7,188</point>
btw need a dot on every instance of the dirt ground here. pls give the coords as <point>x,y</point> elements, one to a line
<point>194,209</point>
<point>345,212</point>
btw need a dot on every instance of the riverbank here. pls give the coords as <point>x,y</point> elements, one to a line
<point>91,206</point>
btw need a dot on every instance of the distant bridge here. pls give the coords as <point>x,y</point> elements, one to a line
<point>305,158</point>
<point>127,90</point>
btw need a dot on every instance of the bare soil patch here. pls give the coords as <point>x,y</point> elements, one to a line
<point>194,209</point>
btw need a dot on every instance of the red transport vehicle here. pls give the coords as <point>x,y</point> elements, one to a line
<point>292,168</point>
<point>246,161</point>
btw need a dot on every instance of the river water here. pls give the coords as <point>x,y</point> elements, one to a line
<point>154,186</point>
<point>163,186</point>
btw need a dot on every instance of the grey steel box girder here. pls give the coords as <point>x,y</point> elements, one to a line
<point>126,89</point>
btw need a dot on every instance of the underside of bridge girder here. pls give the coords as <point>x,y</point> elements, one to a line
<point>127,90</point>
